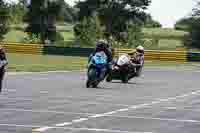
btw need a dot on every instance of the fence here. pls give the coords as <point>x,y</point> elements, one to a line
<point>23,48</point>
<point>181,55</point>
<point>158,55</point>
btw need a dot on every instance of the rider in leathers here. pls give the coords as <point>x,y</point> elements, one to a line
<point>137,61</point>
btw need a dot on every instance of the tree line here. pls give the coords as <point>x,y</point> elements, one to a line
<point>192,25</point>
<point>120,20</point>
<point>40,15</point>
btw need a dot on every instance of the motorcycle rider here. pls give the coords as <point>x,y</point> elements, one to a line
<point>3,63</point>
<point>102,45</point>
<point>137,58</point>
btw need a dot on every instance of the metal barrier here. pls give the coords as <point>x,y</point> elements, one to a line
<point>162,55</point>
<point>23,48</point>
<point>158,55</point>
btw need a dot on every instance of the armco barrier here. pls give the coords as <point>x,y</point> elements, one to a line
<point>85,52</point>
<point>52,50</point>
<point>23,48</point>
<point>158,55</point>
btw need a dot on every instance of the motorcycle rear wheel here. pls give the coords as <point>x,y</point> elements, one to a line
<point>124,77</point>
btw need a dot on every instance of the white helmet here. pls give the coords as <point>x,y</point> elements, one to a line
<point>140,49</point>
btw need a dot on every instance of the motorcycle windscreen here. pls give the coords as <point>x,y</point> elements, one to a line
<point>100,58</point>
<point>123,59</point>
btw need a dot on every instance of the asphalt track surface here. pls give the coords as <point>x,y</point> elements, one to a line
<point>160,101</point>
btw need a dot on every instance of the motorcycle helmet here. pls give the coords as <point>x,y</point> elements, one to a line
<point>101,45</point>
<point>140,50</point>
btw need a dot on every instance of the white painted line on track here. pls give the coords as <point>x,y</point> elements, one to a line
<point>42,129</point>
<point>123,110</point>
<point>97,116</point>
<point>79,120</point>
<point>94,129</point>
<point>154,118</point>
<point>182,108</point>
<point>140,106</point>
<point>63,124</point>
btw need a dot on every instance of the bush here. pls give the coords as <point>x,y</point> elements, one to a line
<point>193,39</point>
<point>184,24</point>
<point>31,38</point>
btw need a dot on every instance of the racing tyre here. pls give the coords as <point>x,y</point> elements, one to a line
<point>124,78</point>
<point>109,78</point>
<point>88,84</point>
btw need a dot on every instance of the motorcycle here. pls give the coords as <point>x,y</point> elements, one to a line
<point>97,69</point>
<point>122,69</point>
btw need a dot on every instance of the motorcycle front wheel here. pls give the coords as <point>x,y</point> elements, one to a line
<point>109,78</point>
<point>92,78</point>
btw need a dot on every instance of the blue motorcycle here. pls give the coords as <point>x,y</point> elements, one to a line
<point>97,68</point>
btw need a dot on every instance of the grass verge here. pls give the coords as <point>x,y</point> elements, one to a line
<point>38,63</point>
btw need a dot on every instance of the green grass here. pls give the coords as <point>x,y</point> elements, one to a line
<point>163,33</point>
<point>36,63</point>
<point>170,44</point>
<point>68,35</point>
<point>21,62</point>
<point>15,36</point>
<point>163,44</point>
<point>64,27</point>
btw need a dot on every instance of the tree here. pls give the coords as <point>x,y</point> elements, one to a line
<point>17,12</point>
<point>24,3</point>
<point>34,18</point>
<point>67,13</point>
<point>42,17</point>
<point>115,15</point>
<point>184,23</point>
<point>4,18</point>
<point>193,39</point>
<point>196,10</point>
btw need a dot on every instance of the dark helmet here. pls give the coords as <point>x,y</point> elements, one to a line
<point>101,44</point>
